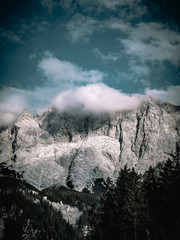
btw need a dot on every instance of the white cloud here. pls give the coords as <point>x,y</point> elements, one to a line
<point>145,41</point>
<point>148,41</point>
<point>65,77</point>
<point>97,98</point>
<point>80,28</point>
<point>64,72</point>
<point>152,41</point>
<point>58,76</point>
<point>171,95</point>
<point>68,86</point>
<point>109,57</point>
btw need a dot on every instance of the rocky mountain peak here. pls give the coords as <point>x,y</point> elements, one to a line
<point>25,119</point>
<point>75,149</point>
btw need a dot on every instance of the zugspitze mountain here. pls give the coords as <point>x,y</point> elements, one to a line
<point>75,149</point>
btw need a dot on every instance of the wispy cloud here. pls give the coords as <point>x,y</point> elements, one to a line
<point>49,4</point>
<point>22,29</point>
<point>109,57</point>
<point>126,8</point>
<point>171,95</point>
<point>132,77</point>
<point>152,42</point>
<point>83,25</point>
<point>8,35</point>
<point>113,4</point>
<point>80,28</point>
<point>140,73</point>
<point>32,56</point>
<point>145,41</point>
<point>140,70</point>
<point>33,26</point>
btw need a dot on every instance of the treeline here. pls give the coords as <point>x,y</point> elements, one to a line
<point>25,216</point>
<point>71,197</point>
<point>138,207</point>
<point>134,207</point>
<point>82,200</point>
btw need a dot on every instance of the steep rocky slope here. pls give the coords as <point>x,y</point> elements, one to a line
<point>26,214</point>
<point>75,149</point>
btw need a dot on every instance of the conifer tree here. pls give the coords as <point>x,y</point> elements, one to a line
<point>122,210</point>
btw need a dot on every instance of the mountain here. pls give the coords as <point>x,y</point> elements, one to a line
<point>78,149</point>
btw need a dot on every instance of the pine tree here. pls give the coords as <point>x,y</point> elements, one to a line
<point>122,211</point>
<point>131,206</point>
<point>101,216</point>
<point>162,186</point>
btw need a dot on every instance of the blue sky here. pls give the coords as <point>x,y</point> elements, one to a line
<point>87,54</point>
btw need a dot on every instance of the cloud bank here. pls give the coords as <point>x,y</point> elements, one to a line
<point>97,98</point>
<point>68,86</point>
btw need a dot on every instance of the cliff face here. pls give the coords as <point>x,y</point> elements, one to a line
<point>75,149</point>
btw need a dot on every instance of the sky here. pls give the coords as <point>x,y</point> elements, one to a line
<point>98,55</point>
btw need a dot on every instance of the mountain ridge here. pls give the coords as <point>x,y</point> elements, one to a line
<point>75,149</point>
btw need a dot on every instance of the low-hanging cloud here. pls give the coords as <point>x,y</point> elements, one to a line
<point>97,98</point>
<point>12,102</point>
<point>171,95</point>
<point>58,76</point>
<point>67,86</point>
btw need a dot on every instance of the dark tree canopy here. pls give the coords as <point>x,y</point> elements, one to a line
<point>139,207</point>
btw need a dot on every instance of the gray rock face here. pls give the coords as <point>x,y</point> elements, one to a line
<point>74,149</point>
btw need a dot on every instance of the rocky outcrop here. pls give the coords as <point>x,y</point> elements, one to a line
<point>74,148</point>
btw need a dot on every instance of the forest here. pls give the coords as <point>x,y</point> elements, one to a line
<point>140,207</point>
<point>134,207</point>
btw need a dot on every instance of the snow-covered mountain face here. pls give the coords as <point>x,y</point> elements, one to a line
<point>74,149</point>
